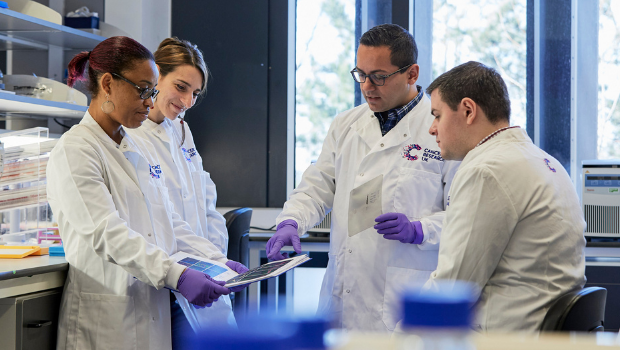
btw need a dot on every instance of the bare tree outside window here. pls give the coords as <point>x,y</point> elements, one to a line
<point>492,32</point>
<point>324,56</point>
<point>608,85</point>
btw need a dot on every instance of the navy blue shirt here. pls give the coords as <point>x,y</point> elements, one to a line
<point>396,114</point>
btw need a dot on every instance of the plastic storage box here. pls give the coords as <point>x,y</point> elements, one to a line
<point>82,22</point>
<point>24,210</point>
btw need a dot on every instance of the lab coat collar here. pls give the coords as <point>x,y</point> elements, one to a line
<point>367,127</point>
<point>509,135</point>
<point>126,145</point>
<point>89,122</point>
<point>159,130</point>
<point>370,131</point>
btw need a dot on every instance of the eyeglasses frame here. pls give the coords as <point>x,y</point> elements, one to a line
<point>153,94</point>
<point>384,77</point>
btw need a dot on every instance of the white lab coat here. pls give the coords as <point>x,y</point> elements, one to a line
<point>366,273</point>
<point>212,223</point>
<point>515,228</point>
<point>192,192</point>
<point>118,231</point>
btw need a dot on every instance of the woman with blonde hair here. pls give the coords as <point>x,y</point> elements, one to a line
<point>183,79</point>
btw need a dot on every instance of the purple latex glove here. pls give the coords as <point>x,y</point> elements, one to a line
<point>200,289</point>
<point>238,268</point>
<point>396,226</point>
<point>286,234</point>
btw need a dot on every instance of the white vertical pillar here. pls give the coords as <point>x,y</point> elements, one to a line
<point>422,30</point>
<point>537,80</point>
<point>147,21</point>
<point>584,86</point>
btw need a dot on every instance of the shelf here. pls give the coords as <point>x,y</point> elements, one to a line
<point>29,106</point>
<point>19,31</point>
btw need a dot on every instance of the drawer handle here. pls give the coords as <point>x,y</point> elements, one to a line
<point>39,324</point>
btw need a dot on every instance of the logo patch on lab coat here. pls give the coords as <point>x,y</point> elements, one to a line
<point>188,153</point>
<point>547,161</point>
<point>411,152</point>
<point>155,171</point>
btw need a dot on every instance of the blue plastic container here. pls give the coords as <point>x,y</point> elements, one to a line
<point>82,22</point>
<point>448,306</point>
<point>264,332</point>
<point>57,251</point>
<point>440,317</point>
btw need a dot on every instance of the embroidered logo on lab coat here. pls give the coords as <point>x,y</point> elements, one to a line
<point>155,171</point>
<point>431,154</point>
<point>188,153</point>
<point>549,166</point>
<point>411,152</point>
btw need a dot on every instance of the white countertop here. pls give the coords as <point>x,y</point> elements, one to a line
<point>31,265</point>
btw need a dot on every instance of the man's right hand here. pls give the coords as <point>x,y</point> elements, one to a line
<point>286,234</point>
<point>200,289</point>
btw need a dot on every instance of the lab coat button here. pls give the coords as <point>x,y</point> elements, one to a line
<point>159,131</point>
<point>149,235</point>
<point>124,146</point>
<point>153,318</point>
<point>348,291</point>
<point>362,174</point>
<point>350,250</point>
<point>405,135</point>
<point>381,145</point>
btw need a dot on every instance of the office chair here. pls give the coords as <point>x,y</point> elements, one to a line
<point>238,226</point>
<point>581,310</point>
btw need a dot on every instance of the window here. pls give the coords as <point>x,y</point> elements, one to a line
<point>325,45</point>
<point>492,32</point>
<point>608,143</point>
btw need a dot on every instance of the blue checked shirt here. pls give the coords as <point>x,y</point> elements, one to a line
<point>396,114</point>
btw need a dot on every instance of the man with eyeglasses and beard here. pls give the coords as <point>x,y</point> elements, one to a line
<point>382,176</point>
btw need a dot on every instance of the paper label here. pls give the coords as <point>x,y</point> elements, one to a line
<point>365,205</point>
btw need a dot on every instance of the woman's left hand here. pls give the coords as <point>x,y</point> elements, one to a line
<point>238,268</point>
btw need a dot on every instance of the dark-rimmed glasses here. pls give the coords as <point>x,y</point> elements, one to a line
<point>144,92</point>
<point>375,79</point>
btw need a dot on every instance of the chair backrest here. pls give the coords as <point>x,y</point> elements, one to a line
<point>581,310</point>
<point>238,226</point>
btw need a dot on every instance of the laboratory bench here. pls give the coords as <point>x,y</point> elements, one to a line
<point>34,285</point>
<point>602,270</point>
<point>30,295</point>
<point>271,299</point>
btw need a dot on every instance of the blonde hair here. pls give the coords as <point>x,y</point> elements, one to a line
<point>174,52</point>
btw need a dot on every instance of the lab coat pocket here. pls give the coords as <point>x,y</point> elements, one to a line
<point>106,322</point>
<point>418,193</point>
<point>397,279</point>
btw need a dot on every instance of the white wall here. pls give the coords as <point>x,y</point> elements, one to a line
<point>147,21</point>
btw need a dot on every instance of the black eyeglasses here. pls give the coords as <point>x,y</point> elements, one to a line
<point>376,79</point>
<point>144,92</point>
